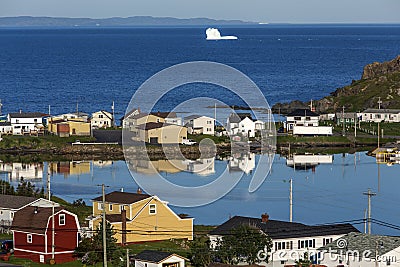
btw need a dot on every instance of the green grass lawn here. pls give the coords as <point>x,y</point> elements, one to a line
<point>40,142</point>
<point>216,139</point>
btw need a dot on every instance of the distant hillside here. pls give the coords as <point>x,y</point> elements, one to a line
<point>378,80</point>
<point>26,21</point>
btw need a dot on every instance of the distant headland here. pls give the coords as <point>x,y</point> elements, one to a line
<point>28,21</point>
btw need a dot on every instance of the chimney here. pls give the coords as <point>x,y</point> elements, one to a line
<point>264,218</point>
<point>139,191</point>
<point>123,220</point>
<point>122,189</point>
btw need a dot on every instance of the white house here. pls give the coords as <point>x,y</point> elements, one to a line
<point>380,115</point>
<point>301,117</point>
<point>5,128</point>
<point>26,122</point>
<point>102,119</point>
<point>128,120</point>
<point>197,124</point>
<point>243,124</point>
<point>10,204</point>
<point>357,249</point>
<point>201,166</point>
<point>288,238</point>
<point>153,258</point>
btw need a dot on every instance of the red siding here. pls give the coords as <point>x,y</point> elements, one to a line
<point>36,245</point>
<point>66,236</point>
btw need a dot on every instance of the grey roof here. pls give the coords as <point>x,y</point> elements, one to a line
<point>375,110</point>
<point>302,113</point>
<point>281,229</point>
<point>164,114</point>
<point>154,256</point>
<point>362,242</point>
<point>27,115</point>
<point>238,117</point>
<point>15,202</point>
<point>192,117</point>
<point>348,115</point>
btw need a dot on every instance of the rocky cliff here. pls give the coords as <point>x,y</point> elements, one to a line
<point>379,81</point>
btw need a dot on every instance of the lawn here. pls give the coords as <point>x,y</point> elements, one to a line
<point>40,142</point>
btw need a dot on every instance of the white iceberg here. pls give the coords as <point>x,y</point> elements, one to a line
<point>214,34</point>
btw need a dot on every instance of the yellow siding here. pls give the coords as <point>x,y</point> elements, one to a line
<point>79,128</point>
<point>149,118</point>
<point>163,225</point>
<point>171,134</point>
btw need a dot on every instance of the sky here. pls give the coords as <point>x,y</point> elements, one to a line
<point>272,11</point>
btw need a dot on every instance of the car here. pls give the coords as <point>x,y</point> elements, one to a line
<point>188,142</point>
<point>7,245</point>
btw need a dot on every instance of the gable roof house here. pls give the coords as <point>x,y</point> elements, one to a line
<point>169,117</point>
<point>102,119</point>
<point>26,122</point>
<point>301,117</point>
<point>198,124</point>
<point>161,133</point>
<point>291,236</point>
<point>9,205</point>
<point>153,258</point>
<point>33,234</point>
<point>140,217</point>
<point>380,115</point>
<point>243,124</point>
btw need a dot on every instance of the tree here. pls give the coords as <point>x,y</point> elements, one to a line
<point>304,262</point>
<point>200,253</point>
<point>28,189</point>
<point>243,245</point>
<point>90,250</point>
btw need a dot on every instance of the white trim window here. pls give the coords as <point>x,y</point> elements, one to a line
<point>100,206</point>
<point>61,219</point>
<point>152,209</point>
<point>110,207</point>
<point>29,238</point>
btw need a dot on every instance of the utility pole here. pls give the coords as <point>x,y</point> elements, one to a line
<point>1,105</point>
<point>49,110</point>
<point>52,233</point>
<point>378,133</point>
<point>127,257</point>
<point>355,125</point>
<point>104,226</point>
<point>291,201</point>
<point>365,221</point>
<point>343,131</point>
<point>369,194</point>
<point>113,115</point>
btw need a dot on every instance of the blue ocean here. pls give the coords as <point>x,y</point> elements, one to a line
<point>92,67</point>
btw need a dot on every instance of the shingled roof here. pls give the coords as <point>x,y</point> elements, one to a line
<point>281,229</point>
<point>155,256</point>
<point>302,113</point>
<point>15,202</point>
<point>27,115</point>
<point>27,220</point>
<point>122,197</point>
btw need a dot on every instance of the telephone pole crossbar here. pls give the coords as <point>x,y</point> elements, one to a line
<point>369,194</point>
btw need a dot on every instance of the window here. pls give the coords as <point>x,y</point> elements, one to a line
<point>29,238</point>
<point>61,219</point>
<point>152,209</point>
<point>297,118</point>
<point>11,215</point>
<point>121,208</point>
<point>100,206</point>
<point>110,207</point>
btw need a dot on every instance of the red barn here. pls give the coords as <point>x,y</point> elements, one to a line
<point>32,234</point>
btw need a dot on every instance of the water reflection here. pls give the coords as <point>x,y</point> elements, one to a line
<point>332,194</point>
<point>308,161</point>
<point>18,170</point>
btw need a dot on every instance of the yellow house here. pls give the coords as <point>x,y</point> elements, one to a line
<point>147,218</point>
<point>161,133</point>
<point>68,127</point>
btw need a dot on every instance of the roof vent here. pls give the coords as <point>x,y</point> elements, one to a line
<point>35,210</point>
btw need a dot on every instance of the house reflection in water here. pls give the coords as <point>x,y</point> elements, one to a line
<point>305,162</point>
<point>68,168</point>
<point>199,166</point>
<point>245,162</point>
<point>17,170</point>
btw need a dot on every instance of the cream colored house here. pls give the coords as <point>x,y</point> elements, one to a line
<point>197,124</point>
<point>102,119</point>
<point>145,218</point>
<point>132,121</point>
<point>68,127</point>
<point>161,133</point>
<point>153,258</point>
